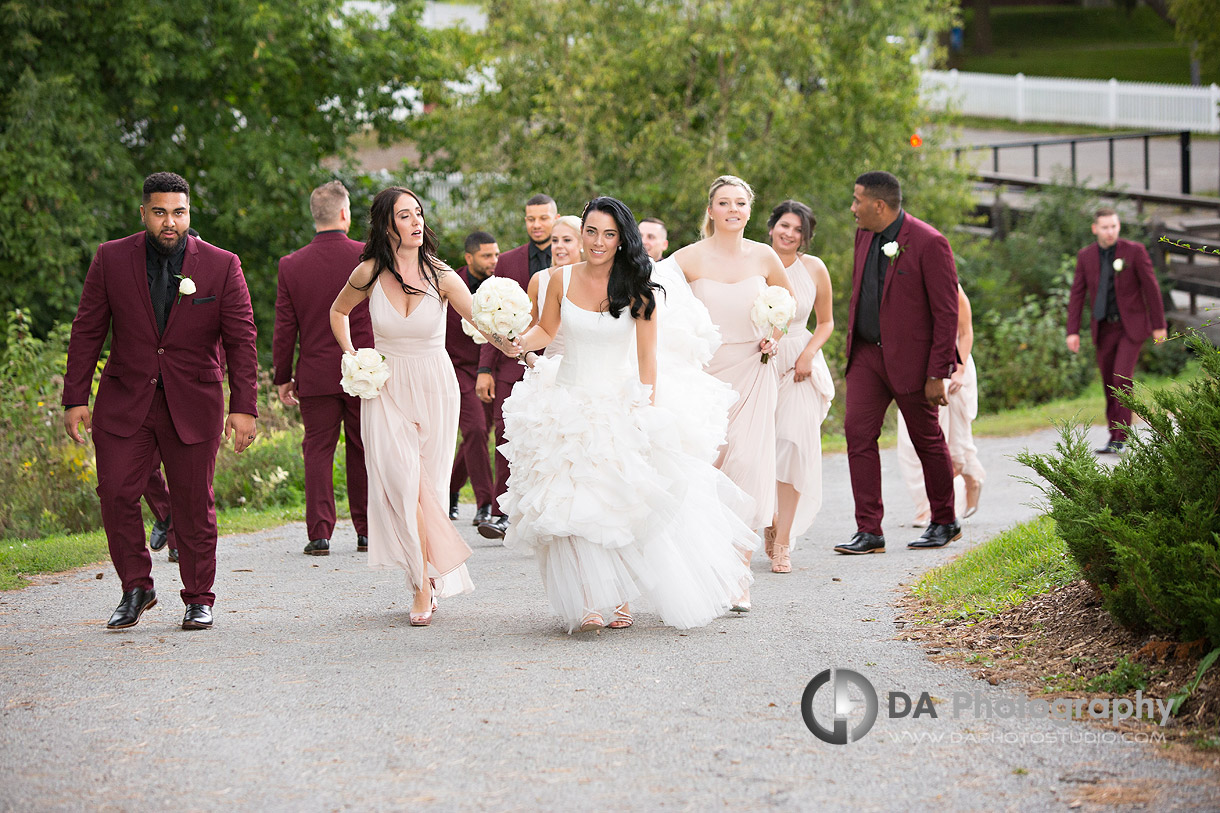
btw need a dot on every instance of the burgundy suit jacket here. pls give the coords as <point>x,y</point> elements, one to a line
<point>515,265</point>
<point>187,358</point>
<point>310,278</point>
<point>918,306</point>
<point>1135,288</point>
<point>463,352</point>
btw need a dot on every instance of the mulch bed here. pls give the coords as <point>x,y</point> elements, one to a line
<point>1057,641</point>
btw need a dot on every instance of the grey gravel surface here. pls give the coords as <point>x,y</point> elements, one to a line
<point>312,693</point>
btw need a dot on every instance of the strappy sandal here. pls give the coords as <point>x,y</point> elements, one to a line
<point>769,540</point>
<point>780,561</point>
<point>622,618</point>
<point>592,621</point>
<point>425,619</point>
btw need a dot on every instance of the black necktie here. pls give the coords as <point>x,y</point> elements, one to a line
<point>161,294</point>
<point>1104,280</point>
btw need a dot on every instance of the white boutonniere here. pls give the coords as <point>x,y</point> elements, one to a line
<point>186,287</point>
<point>1118,266</point>
<point>892,249</point>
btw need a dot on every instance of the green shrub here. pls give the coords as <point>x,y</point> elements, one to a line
<point>1146,531</point>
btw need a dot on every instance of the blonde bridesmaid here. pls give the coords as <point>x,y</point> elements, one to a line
<point>805,386</point>
<point>727,272</point>
<point>566,250</point>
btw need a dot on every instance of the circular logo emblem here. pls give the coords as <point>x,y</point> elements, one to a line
<point>844,705</point>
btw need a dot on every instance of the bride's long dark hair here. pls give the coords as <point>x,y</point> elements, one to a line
<point>630,286</point>
<point>384,241</point>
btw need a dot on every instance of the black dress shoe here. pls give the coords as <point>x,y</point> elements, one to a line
<point>362,542</point>
<point>159,535</point>
<point>453,511</point>
<point>198,617</point>
<point>482,515</point>
<point>937,536</point>
<point>133,605</point>
<point>494,528</point>
<point>1112,447</point>
<point>318,547</point>
<point>173,554</point>
<point>863,543</point>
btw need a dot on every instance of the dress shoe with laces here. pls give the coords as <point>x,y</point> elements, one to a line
<point>318,547</point>
<point>159,535</point>
<point>937,536</point>
<point>198,617</point>
<point>453,505</point>
<point>863,543</point>
<point>1112,447</point>
<point>494,528</point>
<point>482,515</point>
<point>362,542</point>
<point>173,554</point>
<point>133,605</point>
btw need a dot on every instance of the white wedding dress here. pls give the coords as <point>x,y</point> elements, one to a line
<point>616,498</point>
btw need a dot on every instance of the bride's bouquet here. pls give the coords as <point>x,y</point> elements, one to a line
<point>473,332</point>
<point>501,306</point>
<point>364,373</point>
<point>774,308</point>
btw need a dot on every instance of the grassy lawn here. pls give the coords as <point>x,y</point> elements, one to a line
<point>1025,561</point>
<point>1097,43</point>
<point>54,554</point>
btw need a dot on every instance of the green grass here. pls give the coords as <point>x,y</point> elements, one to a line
<point>1028,560</point>
<point>1081,43</point>
<point>54,554</point>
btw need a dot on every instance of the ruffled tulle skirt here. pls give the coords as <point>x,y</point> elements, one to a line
<point>603,493</point>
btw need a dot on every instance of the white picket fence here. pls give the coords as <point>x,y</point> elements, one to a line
<point>1099,103</point>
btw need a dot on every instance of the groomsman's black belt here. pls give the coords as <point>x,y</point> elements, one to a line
<point>1113,319</point>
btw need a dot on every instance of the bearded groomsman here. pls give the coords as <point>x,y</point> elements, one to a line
<point>1115,277</point>
<point>309,280</point>
<point>497,372</point>
<point>475,418</point>
<point>901,346</point>
<point>170,304</point>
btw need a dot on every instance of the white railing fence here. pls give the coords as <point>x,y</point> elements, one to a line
<point>1093,102</point>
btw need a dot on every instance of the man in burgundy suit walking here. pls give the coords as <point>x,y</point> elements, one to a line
<point>497,372</point>
<point>901,346</point>
<point>170,303</point>
<point>475,419</point>
<point>310,278</point>
<point>1115,277</point>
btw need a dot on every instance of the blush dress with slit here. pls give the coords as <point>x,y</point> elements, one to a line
<point>410,435</point>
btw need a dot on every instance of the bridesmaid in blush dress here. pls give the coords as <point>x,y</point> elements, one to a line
<point>410,427</point>
<point>727,273</point>
<point>565,250</point>
<point>805,386</point>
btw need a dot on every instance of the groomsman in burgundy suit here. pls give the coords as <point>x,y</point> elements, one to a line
<point>497,372</point>
<point>310,278</point>
<point>1115,277</point>
<point>901,346</point>
<point>475,418</point>
<point>170,303</point>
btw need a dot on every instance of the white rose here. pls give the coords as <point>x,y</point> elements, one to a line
<point>773,308</point>
<point>360,384</point>
<point>1118,266</point>
<point>503,322</point>
<point>368,358</point>
<point>890,249</point>
<point>473,332</point>
<point>186,287</point>
<point>379,375</point>
<point>349,365</point>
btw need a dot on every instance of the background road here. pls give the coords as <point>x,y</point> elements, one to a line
<point>312,693</point>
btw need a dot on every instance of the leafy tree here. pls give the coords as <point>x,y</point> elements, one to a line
<point>649,100</point>
<point>245,99</point>
<point>1196,24</point>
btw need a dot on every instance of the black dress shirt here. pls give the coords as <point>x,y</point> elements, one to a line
<point>164,272</point>
<point>872,283</point>
<point>1105,306</point>
<point>539,258</point>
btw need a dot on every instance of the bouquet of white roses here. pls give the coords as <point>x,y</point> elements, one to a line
<point>500,306</point>
<point>473,332</point>
<point>774,308</point>
<point>364,373</point>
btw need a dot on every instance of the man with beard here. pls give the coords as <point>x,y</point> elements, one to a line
<point>170,304</point>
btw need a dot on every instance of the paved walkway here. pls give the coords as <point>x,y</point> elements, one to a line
<point>312,693</point>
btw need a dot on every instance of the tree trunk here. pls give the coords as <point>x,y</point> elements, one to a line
<point>982,27</point>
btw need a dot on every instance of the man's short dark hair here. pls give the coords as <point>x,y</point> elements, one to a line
<point>165,182</point>
<point>882,186</point>
<point>1104,211</point>
<point>476,240</point>
<point>540,200</point>
<point>656,220</point>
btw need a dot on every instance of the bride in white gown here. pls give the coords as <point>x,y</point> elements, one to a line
<point>615,497</point>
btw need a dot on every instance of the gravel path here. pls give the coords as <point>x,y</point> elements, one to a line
<point>312,693</point>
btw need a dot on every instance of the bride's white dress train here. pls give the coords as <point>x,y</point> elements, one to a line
<point>604,488</point>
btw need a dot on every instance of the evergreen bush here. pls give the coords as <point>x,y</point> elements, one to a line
<point>1146,531</point>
